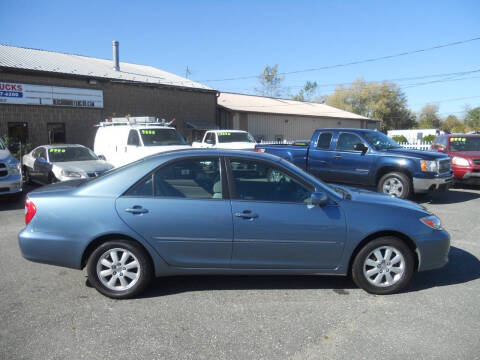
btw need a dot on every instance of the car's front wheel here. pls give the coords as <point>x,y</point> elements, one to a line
<point>395,184</point>
<point>119,269</point>
<point>383,266</point>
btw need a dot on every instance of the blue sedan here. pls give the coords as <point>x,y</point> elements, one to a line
<point>226,212</point>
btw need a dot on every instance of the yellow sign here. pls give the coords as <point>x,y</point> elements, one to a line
<point>57,150</point>
<point>148,132</point>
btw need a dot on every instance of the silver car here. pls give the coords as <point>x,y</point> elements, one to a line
<point>52,163</point>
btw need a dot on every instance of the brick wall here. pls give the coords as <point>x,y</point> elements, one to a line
<point>119,100</point>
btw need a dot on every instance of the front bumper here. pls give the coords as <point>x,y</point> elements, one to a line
<point>438,183</point>
<point>467,174</point>
<point>433,249</point>
<point>11,184</point>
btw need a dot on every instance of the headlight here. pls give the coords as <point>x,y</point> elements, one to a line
<point>457,160</point>
<point>431,166</point>
<point>14,167</point>
<point>432,222</point>
<point>71,174</point>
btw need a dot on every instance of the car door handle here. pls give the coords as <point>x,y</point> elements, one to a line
<point>246,214</point>
<point>338,156</point>
<point>136,210</point>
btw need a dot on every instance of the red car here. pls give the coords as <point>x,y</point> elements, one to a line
<point>464,149</point>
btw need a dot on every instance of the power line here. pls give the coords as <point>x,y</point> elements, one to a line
<point>357,62</point>
<point>461,73</point>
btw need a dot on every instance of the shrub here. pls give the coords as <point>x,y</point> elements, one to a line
<point>400,139</point>
<point>428,138</point>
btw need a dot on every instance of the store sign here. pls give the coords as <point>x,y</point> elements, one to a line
<point>25,94</point>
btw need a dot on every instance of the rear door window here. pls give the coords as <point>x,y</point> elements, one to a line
<point>133,138</point>
<point>324,141</point>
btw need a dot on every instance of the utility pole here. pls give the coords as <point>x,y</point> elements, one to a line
<point>187,72</point>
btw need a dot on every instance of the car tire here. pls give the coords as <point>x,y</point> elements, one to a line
<point>375,263</point>
<point>119,269</point>
<point>396,184</point>
<point>51,178</point>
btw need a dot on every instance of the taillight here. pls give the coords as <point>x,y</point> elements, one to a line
<point>30,210</point>
<point>259,150</point>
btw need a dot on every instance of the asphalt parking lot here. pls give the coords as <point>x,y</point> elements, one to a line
<point>49,312</point>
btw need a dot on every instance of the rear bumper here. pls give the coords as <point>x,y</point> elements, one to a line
<point>424,185</point>
<point>48,248</point>
<point>11,184</point>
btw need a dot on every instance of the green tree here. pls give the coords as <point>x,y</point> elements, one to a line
<point>428,117</point>
<point>400,139</point>
<point>270,82</point>
<point>307,93</point>
<point>452,125</point>
<point>472,119</point>
<point>380,101</point>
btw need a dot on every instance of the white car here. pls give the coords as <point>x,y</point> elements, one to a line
<point>10,174</point>
<point>124,140</point>
<point>52,163</point>
<point>227,139</point>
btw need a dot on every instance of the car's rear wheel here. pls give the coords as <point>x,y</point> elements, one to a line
<point>396,184</point>
<point>383,266</point>
<point>119,269</point>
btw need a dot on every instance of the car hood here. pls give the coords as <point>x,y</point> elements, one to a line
<point>466,154</point>
<point>371,197</point>
<point>4,155</point>
<point>419,154</point>
<point>236,146</point>
<point>84,166</point>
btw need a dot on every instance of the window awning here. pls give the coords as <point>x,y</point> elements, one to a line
<point>201,125</point>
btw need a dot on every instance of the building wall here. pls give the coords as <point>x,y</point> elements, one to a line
<point>119,100</point>
<point>289,127</point>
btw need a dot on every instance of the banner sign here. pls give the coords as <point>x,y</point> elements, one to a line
<point>25,94</point>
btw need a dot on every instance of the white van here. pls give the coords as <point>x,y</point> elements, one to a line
<point>123,140</point>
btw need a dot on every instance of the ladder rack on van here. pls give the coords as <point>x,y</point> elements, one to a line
<point>139,120</point>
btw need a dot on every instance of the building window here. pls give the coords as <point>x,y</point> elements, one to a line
<point>56,133</point>
<point>18,132</point>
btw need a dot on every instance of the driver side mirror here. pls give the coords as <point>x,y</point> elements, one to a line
<point>319,198</point>
<point>102,157</point>
<point>361,147</point>
<point>441,149</point>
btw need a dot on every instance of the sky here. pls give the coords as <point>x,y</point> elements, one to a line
<point>220,40</point>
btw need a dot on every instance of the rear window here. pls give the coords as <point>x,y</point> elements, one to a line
<point>324,141</point>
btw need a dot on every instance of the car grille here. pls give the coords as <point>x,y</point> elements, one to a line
<point>3,170</point>
<point>444,165</point>
<point>4,189</point>
<point>476,161</point>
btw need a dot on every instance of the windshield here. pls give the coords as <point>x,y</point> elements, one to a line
<point>74,153</point>
<point>380,141</point>
<point>227,137</point>
<point>2,145</point>
<point>465,143</point>
<point>158,137</point>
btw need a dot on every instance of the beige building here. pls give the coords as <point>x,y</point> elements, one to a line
<point>50,97</point>
<point>274,119</point>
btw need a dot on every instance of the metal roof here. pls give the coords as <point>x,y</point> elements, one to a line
<point>260,104</point>
<point>42,60</point>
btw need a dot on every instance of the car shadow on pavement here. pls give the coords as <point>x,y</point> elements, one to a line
<point>461,268</point>
<point>453,196</point>
<point>17,201</point>
<point>181,284</point>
